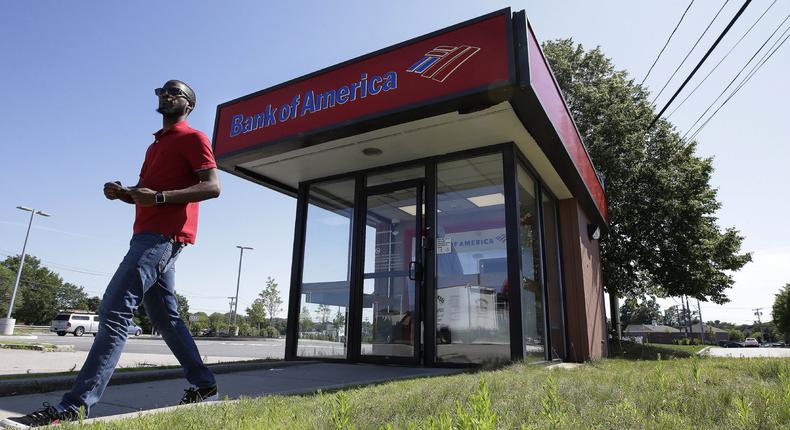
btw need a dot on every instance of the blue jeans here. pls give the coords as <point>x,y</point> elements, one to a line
<point>146,273</point>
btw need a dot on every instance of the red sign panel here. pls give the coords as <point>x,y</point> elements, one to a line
<point>470,57</point>
<point>545,87</point>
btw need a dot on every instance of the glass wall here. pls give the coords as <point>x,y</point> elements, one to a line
<point>554,294</point>
<point>532,323</point>
<point>472,307</point>
<point>327,272</point>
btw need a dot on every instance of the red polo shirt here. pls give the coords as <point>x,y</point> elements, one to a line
<point>171,163</point>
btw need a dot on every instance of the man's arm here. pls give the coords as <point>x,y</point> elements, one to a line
<point>207,188</point>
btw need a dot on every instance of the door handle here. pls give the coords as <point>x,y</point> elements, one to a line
<point>415,271</point>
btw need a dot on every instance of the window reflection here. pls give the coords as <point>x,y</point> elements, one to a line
<point>554,294</point>
<point>531,297</point>
<point>472,308</point>
<point>326,274</point>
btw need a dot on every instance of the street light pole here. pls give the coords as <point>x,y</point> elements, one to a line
<point>7,324</point>
<point>238,282</point>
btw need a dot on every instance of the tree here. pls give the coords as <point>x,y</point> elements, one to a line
<point>305,320</point>
<point>781,311</point>
<point>182,304</point>
<point>202,323</point>
<point>42,292</point>
<point>735,334</point>
<point>340,320</point>
<point>644,312</point>
<point>37,297</point>
<point>323,312</point>
<point>217,322</point>
<point>672,316</point>
<point>142,319</point>
<point>256,313</point>
<point>91,304</point>
<point>270,297</point>
<point>663,238</point>
<point>7,278</point>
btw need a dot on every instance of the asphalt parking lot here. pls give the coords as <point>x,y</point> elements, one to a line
<point>256,348</point>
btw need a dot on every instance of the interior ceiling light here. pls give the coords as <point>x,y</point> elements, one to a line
<point>487,200</point>
<point>372,151</point>
<point>412,209</point>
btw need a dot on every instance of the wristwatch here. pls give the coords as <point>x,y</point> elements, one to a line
<point>159,198</point>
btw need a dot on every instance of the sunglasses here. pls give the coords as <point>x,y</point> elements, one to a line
<point>173,91</point>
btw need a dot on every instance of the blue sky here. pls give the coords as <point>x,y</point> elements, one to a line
<point>78,108</point>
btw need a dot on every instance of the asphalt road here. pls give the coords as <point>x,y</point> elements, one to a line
<point>257,348</point>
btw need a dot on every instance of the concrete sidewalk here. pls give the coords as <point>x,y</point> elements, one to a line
<point>297,379</point>
<point>14,361</point>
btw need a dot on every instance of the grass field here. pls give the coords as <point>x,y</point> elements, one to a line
<point>676,393</point>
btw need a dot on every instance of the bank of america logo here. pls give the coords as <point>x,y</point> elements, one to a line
<point>440,62</point>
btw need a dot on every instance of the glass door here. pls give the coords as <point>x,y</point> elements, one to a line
<point>393,266</point>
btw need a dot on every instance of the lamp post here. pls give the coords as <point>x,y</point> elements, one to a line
<point>238,282</point>
<point>7,323</point>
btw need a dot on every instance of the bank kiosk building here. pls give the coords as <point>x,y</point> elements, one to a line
<point>447,210</point>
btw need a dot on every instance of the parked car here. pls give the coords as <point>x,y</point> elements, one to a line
<point>730,344</point>
<point>134,329</point>
<point>751,342</point>
<point>75,323</point>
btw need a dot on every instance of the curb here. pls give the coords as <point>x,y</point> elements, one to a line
<point>17,337</point>
<point>38,347</point>
<point>15,387</point>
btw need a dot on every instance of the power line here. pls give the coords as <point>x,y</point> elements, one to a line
<point>754,70</point>
<point>667,42</point>
<point>61,266</point>
<point>722,59</point>
<point>732,81</point>
<point>691,50</point>
<point>702,61</point>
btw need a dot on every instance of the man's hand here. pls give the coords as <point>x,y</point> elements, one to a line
<point>114,191</point>
<point>144,197</point>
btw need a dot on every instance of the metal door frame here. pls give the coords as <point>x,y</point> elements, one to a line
<point>419,282</point>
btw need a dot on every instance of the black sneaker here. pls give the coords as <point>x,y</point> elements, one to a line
<point>46,416</point>
<point>197,395</point>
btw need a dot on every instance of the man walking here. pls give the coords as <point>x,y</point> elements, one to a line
<point>178,172</point>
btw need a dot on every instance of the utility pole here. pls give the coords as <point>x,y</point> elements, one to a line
<point>230,313</point>
<point>614,307</point>
<point>238,281</point>
<point>690,320</point>
<point>7,324</point>
<point>684,316</point>
<point>758,312</point>
<point>701,324</point>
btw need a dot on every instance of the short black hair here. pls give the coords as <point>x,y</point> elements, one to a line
<point>190,92</point>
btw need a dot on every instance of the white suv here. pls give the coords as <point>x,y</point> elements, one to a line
<point>751,342</point>
<point>75,323</point>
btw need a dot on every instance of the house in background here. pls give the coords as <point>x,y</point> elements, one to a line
<point>655,333</point>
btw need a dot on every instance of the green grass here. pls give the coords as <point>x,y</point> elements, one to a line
<point>709,393</point>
